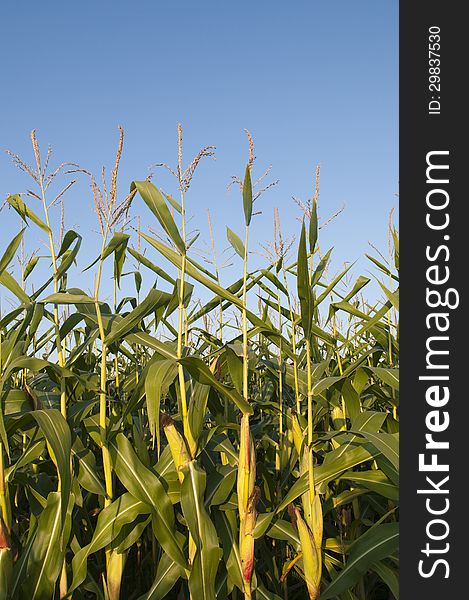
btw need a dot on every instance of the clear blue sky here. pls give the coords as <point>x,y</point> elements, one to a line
<point>315,82</point>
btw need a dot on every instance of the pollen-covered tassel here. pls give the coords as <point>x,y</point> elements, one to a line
<point>6,562</point>
<point>248,496</point>
<point>311,553</point>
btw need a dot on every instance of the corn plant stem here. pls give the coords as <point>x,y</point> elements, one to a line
<point>244,322</point>
<point>60,355</point>
<point>246,475</point>
<point>116,363</point>
<point>181,328</point>
<point>310,392</point>
<point>280,388</point>
<point>4,504</point>
<point>341,371</point>
<point>103,384</point>
<point>182,331</point>
<point>280,366</point>
<point>293,343</point>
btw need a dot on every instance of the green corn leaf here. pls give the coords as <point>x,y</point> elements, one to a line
<point>313,226</point>
<point>284,530</point>
<point>227,529</point>
<point>68,256</point>
<point>273,279</point>
<point>121,326</point>
<point>9,253</point>
<point>30,265</point>
<point>144,485</point>
<point>203,532</point>
<point>305,293</point>
<point>159,377</point>
<point>47,552</point>
<point>145,339</point>
<point>138,281</point>
<point>65,298</point>
<point>157,204</point>
<point>118,241</point>
<point>247,196</point>
<point>262,593</point>
<point>325,473</point>
<point>197,408</point>
<point>375,481</point>
<point>25,212</point>
<point>376,544</point>
<point>111,519</point>
<point>387,376</point>
<point>9,282</point>
<point>388,575</point>
<point>318,272</point>
<point>57,433</point>
<point>167,574</point>
<point>236,242</point>
<point>393,297</point>
<point>386,443</point>
<point>147,263</point>
<point>235,368</point>
<point>382,267</point>
<point>174,203</point>
<point>202,373</point>
<point>211,285</point>
<point>87,470</point>
<point>119,258</point>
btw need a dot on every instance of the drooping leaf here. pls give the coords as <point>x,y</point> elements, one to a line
<point>144,485</point>
<point>159,377</point>
<point>236,242</point>
<point>202,373</point>
<point>203,532</point>
<point>157,204</point>
<point>10,251</point>
<point>25,212</point>
<point>376,544</point>
<point>123,510</point>
<point>122,325</point>
<point>57,433</point>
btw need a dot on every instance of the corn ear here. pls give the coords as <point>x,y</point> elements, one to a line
<point>248,496</point>
<point>311,501</point>
<point>114,571</point>
<point>246,466</point>
<point>298,435</point>
<point>312,561</point>
<point>177,445</point>
<point>246,539</point>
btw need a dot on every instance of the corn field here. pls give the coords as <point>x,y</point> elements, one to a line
<point>199,440</point>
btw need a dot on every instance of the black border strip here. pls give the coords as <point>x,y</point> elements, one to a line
<point>421,132</point>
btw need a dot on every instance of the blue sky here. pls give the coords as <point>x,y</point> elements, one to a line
<point>315,82</point>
